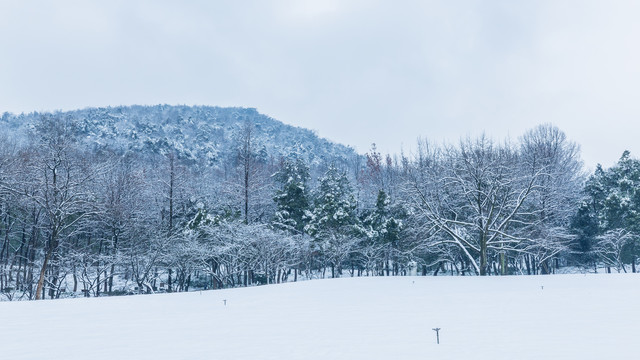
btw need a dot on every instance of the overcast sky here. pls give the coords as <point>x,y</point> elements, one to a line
<point>357,72</point>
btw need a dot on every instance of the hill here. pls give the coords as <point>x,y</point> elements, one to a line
<point>193,132</point>
<point>534,317</point>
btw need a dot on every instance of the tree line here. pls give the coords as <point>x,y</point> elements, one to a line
<point>93,221</point>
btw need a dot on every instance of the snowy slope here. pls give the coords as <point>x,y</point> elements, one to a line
<point>572,317</point>
<point>199,133</point>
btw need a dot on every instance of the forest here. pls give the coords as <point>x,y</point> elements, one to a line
<point>92,217</point>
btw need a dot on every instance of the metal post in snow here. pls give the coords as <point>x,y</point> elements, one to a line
<point>437,330</point>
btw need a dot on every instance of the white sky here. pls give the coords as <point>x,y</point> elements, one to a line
<point>356,71</point>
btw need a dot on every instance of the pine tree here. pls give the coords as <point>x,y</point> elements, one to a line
<point>333,220</point>
<point>382,229</point>
<point>335,207</point>
<point>292,199</point>
<point>608,222</point>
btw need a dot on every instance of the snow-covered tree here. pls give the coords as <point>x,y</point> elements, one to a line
<point>611,208</point>
<point>381,227</point>
<point>472,197</point>
<point>333,219</point>
<point>546,151</point>
<point>60,173</point>
<point>292,196</point>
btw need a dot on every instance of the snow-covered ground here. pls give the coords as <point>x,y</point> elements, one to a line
<point>524,317</point>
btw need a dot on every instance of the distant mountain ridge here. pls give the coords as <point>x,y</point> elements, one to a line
<point>193,132</point>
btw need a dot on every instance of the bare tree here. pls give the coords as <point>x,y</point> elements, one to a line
<point>545,150</point>
<point>60,174</point>
<point>611,246</point>
<point>473,195</point>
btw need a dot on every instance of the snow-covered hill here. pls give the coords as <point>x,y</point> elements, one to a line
<point>525,317</point>
<point>201,133</point>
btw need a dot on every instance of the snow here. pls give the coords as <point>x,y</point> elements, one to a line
<point>525,317</point>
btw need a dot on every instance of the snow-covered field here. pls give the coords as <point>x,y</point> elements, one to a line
<point>525,317</point>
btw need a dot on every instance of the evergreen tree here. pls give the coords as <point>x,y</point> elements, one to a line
<point>333,220</point>
<point>292,199</point>
<point>608,222</point>
<point>382,229</point>
<point>334,205</point>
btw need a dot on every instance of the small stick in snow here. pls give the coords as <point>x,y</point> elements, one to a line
<point>437,330</point>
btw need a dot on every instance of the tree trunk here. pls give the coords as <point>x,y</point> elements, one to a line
<point>75,280</point>
<point>246,194</point>
<point>483,258</point>
<point>171,184</point>
<point>435,273</point>
<point>39,288</point>
<point>544,268</point>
